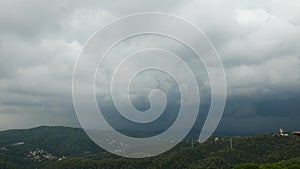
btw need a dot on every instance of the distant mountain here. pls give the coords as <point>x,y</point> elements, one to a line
<point>31,148</point>
<point>64,147</point>
<point>61,141</point>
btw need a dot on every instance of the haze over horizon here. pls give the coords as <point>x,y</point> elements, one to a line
<point>257,41</point>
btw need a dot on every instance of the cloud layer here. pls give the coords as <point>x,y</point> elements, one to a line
<point>258,43</point>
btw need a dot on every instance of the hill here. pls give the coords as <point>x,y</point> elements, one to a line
<point>62,141</point>
<point>64,147</point>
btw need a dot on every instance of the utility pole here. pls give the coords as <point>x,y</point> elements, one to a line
<point>192,142</point>
<point>231,147</point>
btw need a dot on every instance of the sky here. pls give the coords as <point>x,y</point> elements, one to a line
<point>258,43</point>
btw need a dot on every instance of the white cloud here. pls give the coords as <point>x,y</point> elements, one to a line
<point>252,17</point>
<point>269,77</point>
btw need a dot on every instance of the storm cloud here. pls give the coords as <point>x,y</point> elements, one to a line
<point>257,41</point>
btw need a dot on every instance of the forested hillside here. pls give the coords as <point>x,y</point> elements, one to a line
<point>62,147</point>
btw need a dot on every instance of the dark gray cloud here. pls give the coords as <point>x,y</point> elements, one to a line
<point>258,43</point>
<point>260,115</point>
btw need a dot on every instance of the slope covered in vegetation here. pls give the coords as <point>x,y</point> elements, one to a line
<point>62,147</point>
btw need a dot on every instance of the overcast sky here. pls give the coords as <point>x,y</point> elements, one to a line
<point>258,42</point>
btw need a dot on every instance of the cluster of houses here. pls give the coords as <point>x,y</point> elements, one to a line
<point>40,155</point>
<point>285,134</point>
<point>3,148</point>
<point>35,155</point>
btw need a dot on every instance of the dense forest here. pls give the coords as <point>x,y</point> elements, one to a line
<point>70,148</point>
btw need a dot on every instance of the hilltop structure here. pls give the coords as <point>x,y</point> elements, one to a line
<point>297,133</point>
<point>282,133</point>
